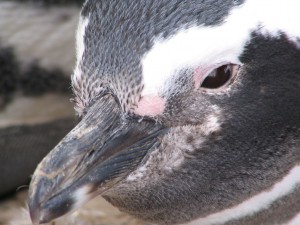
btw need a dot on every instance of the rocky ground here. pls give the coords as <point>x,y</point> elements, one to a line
<point>13,211</point>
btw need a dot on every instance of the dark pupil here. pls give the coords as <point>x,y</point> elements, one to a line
<point>217,78</point>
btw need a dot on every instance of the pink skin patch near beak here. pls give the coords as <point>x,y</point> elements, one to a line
<point>150,106</point>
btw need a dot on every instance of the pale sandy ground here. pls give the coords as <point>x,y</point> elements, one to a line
<point>98,212</point>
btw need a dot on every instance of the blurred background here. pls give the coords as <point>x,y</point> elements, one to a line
<point>37,56</point>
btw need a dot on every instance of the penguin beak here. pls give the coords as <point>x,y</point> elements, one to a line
<point>103,149</point>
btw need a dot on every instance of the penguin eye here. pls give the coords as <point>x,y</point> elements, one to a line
<point>220,76</point>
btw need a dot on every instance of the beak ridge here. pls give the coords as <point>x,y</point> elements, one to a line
<point>99,152</point>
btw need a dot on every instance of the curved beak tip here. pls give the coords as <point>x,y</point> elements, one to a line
<point>89,160</point>
<point>34,210</point>
<point>33,206</point>
<point>34,215</point>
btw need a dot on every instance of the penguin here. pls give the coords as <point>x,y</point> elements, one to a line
<point>189,114</point>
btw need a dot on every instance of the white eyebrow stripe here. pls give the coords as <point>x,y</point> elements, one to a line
<point>83,23</point>
<point>215,44</point>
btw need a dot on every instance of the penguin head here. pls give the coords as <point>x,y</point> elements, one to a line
<point>186,109</point>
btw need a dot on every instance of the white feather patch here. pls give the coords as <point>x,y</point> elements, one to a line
<point>295,220</point>
<point>83,23</point>
<point>210,45</point>
<point>81,196</point>
<point>256,203</point>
